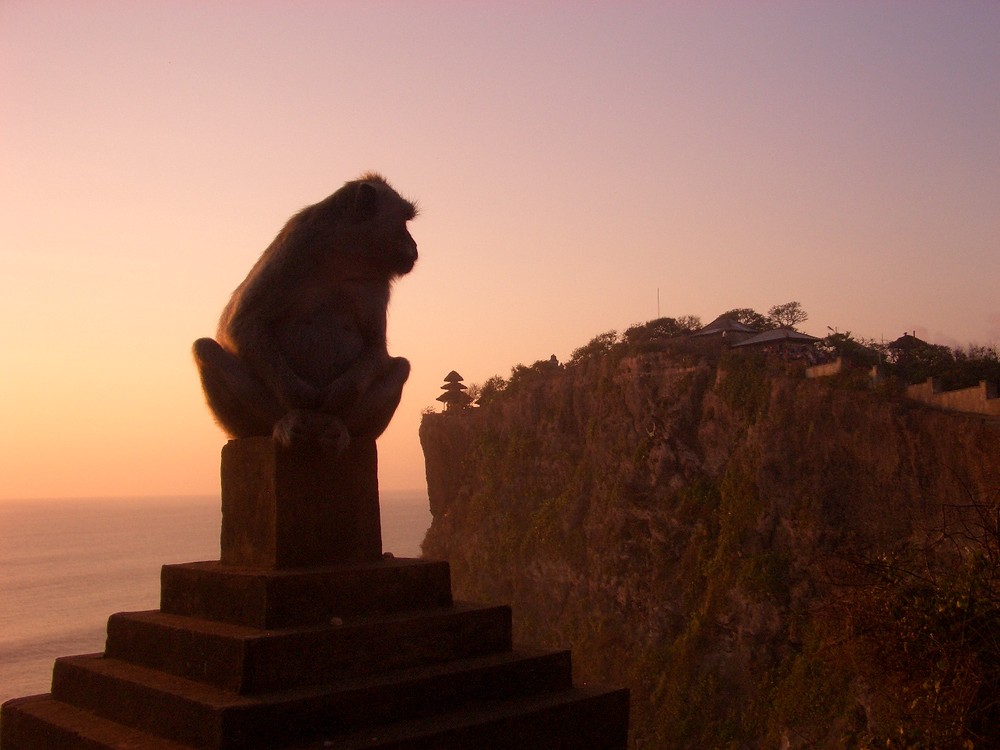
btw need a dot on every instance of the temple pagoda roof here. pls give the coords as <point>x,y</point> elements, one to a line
<point>724,324</point>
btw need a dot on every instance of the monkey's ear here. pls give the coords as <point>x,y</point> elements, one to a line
<point>366,200</point>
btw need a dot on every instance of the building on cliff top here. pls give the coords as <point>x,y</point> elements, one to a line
<point>781,336</point>
<point>785,342</point>
<point>729,329</point>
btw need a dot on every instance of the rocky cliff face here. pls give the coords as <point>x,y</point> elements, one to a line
<point>766,561</point>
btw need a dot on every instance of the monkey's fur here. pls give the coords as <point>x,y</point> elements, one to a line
<point>301,347</point>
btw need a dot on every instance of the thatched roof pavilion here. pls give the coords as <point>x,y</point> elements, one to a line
<point>778,336</point>
<point>727,328</point>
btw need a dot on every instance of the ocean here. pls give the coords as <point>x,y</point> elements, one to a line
<point>66,565</point>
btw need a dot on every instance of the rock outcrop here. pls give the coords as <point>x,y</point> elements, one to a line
<point>766,561</point>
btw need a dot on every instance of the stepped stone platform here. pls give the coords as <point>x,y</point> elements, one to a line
<point>303,635</point>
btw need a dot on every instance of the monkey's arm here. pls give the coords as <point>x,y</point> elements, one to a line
<point>251,331</point>
<point>368,302</point>
<point>266,359</point>
<point>354,381</point>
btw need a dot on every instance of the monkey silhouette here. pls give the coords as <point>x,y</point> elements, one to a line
<point>300,352</point>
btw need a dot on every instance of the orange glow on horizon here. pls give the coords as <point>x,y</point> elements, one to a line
<point>569,161</point>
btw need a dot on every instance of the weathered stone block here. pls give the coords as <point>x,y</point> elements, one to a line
<point>204,716</point>
<point>248,660</point>
<point>288,509</point>
<point>284,598</point>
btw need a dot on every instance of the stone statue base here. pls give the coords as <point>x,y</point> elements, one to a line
<point>303,636</point>
<point>284,509</point>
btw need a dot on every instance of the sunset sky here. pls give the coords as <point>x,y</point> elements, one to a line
<point>571,162</point>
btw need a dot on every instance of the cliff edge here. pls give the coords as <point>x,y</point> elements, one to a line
<point>768,561</point>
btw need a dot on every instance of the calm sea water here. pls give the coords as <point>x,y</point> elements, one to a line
<point>66,565</point>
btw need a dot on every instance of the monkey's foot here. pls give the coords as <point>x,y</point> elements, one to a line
<point>312,430</point>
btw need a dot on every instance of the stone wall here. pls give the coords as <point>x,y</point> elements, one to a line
<point>980,399</point>
<point>826,369</point>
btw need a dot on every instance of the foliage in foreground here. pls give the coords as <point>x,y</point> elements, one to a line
<point>929,623</point>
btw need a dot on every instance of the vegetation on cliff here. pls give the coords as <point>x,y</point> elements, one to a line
<point>765,560</point>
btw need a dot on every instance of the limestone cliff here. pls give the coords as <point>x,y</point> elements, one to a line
<point>767,561</point>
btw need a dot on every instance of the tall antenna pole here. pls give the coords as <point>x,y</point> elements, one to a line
<point>657,303</point>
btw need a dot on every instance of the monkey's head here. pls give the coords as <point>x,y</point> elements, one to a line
<point>371,228</point>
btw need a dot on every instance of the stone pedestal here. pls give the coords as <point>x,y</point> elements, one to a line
<point>304,637</point>
<point>284,509</point>
<point>307,596</point>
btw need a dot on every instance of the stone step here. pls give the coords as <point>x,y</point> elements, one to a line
<point>582,718</point>
<point>205,716</point>
<point>266,598</point>
<point>251,660</point>
<point>40,722</point>
<point>588,718</point>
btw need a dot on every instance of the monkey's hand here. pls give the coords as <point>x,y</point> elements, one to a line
<point>259,344</point>
<point>350,386</point>
<point>294,393</point>
<point>303,429</point>
<point>290,390</point>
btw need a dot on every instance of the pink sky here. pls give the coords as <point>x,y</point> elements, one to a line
<point>570,160</point>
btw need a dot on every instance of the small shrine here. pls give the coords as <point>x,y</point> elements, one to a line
<point>454,397</point>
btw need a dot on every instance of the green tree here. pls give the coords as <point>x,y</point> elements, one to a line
<point>787,315</point>
<point>492,388</point>
<point>521,374</point>
<point>918,364</point>
<point>689,323</point>
<point>598,346</point>
<point>748,317</point>
<point>972,364</point>
<point>661,328</point>
<point>855,351</point>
